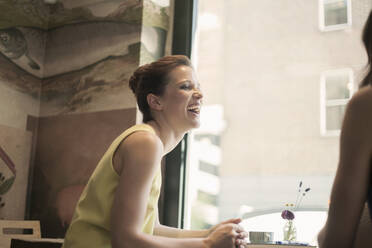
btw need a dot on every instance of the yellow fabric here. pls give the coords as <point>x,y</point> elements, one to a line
<point>90,226</point>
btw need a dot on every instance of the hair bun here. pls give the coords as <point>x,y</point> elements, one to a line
<point>133,83</point>
<point>135,80</point>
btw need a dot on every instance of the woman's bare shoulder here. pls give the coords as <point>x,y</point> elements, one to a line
<point>361,102</point>
<point>142,143</point>
<point>364,94</point>
<point>140,147</point>
<point>142,137</point>
<point>358,118</point>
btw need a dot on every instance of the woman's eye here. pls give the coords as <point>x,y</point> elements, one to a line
<point>185,87</point>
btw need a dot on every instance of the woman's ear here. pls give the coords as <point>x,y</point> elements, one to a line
<point>154,102</point>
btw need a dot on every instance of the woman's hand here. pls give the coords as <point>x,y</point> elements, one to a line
<point>226,234</point>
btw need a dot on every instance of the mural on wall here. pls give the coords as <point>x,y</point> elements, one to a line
<point>85,46</point>
<point>98,80</point>
<point>6,183</point>
<point>74,58</point>
<point>19,97</point>
<point>15,147</point>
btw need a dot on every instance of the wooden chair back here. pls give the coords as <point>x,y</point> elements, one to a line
<point>16,229</point>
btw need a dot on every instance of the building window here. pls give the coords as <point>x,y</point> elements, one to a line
<point>336,89</point>
<point>334,14</point>
<point>203,173</point>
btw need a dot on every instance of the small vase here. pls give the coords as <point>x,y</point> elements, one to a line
<point>289,231</point>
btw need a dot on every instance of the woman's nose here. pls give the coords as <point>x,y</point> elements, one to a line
<point>198,93</point>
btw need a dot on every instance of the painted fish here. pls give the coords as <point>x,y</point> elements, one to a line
<point>13,45</point>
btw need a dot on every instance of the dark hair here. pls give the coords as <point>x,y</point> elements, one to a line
<point>367,41</point>
<point>152,78</point>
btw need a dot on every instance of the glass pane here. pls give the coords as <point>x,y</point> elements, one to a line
<point>335,12</point>
<point>337,86</point>
<point>303,219</point>
<point>259,137</point>
<point>335,115</point>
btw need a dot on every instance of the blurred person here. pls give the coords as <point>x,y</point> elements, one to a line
<point>349,222</point>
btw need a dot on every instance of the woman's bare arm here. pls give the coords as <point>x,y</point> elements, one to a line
<point>140,155</point>
<point>166,231</point>
<point>351,183</point>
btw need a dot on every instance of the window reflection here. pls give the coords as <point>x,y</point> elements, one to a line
<point>263,115</point>
<point>335,12</point>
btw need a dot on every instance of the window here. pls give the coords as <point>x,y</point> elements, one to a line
<point>334,14</point>
<point>336,88</point>
<point>260,134</point>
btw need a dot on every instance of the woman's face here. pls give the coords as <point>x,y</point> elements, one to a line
<point>182,99</point>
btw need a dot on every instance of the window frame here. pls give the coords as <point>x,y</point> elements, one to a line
<point>172,204</point>
<point>321,15</point>
<point>324,103</point>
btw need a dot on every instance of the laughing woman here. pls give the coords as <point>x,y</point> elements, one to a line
<point>118,207</point>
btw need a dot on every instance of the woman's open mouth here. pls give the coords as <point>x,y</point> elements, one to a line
<point>195,109</point>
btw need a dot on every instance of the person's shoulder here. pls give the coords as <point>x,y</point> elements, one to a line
<point>359,108</point>
<point>362,100</point>
<point>143,137</point>
<point>142,141</point>
<point>140,146</point>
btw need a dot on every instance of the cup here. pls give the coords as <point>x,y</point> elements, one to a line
<point>261,237</point>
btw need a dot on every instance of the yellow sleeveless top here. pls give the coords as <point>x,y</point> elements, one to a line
<point>90,225</point>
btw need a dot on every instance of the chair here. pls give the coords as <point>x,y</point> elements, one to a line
<point>13,234</point>
<point>16,228</point>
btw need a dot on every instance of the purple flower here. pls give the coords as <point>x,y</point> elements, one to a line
<point>287,215</point>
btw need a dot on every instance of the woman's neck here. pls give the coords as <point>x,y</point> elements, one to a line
<point>169,136</point>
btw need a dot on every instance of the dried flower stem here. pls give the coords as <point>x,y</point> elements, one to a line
<point>301,197</point>
<point>298,193</point>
